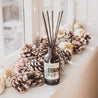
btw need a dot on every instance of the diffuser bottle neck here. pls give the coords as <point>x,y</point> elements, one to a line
<point>51,56</point>
<point>51,50</point>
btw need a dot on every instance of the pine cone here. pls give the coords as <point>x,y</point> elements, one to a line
<point>43,48</point>
<point>26,65</point>
<point>38,64</point>
<point>79,42</point>
<point>77,47</point>
<point>22,82</point>
<point>65,56</point>
<point>23,66</point>
<point>36,78</point>
<point>44,40</point>
<point>87,38</point>
<point>29,51</point>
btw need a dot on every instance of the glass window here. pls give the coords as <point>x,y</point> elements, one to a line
<point>13,24</point>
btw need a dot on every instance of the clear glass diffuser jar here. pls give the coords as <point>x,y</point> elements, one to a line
<point>51,67</point>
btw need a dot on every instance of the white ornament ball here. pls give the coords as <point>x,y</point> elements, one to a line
<point>66,45</point>
<point>78,26</point>
<point>79,32</point>
<point>61,34</point>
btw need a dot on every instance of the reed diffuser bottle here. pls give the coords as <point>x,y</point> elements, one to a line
<point>51,64</point>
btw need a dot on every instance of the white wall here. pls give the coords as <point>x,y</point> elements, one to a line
<point>87,14</point>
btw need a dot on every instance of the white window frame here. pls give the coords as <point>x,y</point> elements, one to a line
<point>32,18</point>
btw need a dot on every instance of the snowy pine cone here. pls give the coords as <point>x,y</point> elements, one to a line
<point>22,82</point>
<point>29,51</point>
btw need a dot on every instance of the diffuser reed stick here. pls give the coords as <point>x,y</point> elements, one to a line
<point>51,35</point>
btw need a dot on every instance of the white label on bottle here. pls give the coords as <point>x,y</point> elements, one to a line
<point>51,71</point>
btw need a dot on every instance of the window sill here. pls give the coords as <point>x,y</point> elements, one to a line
<point>11,59</point>
<point>47,91</point>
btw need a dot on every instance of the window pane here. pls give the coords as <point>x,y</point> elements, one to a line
<point>13,22</point>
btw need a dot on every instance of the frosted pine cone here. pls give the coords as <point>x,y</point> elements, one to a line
<point>79,44</point>
<point>87,38</point>
<point>43,48</point>
<point>29,51</point>
<point>22,82</point>
<point>77,47</point>
<point>36,78</point>
<point>78,39</point>
<point>25,66</point>
<point>44,40</point>
<point>65,56</point>
<point>68,37</point>
<point>38,64</point>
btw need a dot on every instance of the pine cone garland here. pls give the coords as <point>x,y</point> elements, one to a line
<point>30,69</point>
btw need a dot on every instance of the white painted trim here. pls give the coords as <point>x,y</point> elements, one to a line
<point>28,20</point>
